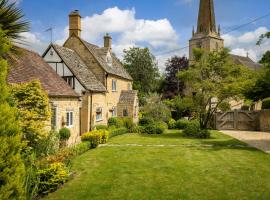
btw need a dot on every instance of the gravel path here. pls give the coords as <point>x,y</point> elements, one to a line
<point>259,140</point>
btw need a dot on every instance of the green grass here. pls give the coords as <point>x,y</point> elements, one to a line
<point>218,168</point>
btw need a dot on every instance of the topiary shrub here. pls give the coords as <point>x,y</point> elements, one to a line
<point>204,134</point>
<point>172,124</point>
<point>51,178</point>
<point>64,134</point>
<point>115,121</point>
<point>146,121</point>
<point>182,123</point>
<point>118,131</point>
<point>101,127</point>
<point>266,103</point>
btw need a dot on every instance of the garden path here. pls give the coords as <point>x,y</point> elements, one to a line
<point>259,140</point>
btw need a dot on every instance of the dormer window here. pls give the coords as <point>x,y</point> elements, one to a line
<point>109,59</point>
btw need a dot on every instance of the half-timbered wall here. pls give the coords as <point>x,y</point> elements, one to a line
<point>54,60</point>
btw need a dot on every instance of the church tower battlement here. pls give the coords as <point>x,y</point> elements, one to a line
<point>207,35</point>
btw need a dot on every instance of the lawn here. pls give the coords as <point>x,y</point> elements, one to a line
<point>169,167</point>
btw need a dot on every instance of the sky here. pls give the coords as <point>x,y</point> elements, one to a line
<point>162,25</point>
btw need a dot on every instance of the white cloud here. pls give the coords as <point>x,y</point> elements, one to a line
<point>31,41</point>
<point>246,43</point>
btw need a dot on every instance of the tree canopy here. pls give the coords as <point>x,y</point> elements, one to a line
<point>214,80</point>
<point>142,67</point>
<point>172,86</point>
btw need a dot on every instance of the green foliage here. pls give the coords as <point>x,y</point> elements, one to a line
<point>138,129</point>
<point>142,67</point>
<point>262,37</point>
<point>64,134</point>
<point>52,177</point>
<point>48,145</point>
<point>12,170</point>
<point>101,127</point>
<point>194,130</point>
<point>115,121</point>
<point>11,20</point>
<point>171,85</point>
<point>81,148</point>
<point>214,76</point>
<point>172,124</point>
<point>34,113</point>
<point>155,109</point>
<point>266,59</point>
<point>96,137</point>
<point>155,128</point>
<point>145,121</point>
<point>266,103</point>
<point>128,123</point>
<point>182,123</point>
<point>118,131</point>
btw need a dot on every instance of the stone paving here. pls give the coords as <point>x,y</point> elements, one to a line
<point>259,140</point>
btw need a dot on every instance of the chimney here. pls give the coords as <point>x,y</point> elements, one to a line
<point>75,23</point>
<point>108,41</point>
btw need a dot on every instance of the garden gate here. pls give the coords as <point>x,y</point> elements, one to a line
<point>237,120</point>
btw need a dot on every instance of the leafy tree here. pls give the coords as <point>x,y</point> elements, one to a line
<point>172,86</point>
<point>33,104</point>
<point>215,80</point>
<point>12,169</point>
<point>142,67</point>
<point>262,37</point>
<point>261,87</point>
<point>11,20</point>
<point>156,109</point>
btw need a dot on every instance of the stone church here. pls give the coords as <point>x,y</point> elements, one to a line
<point>208,37</point>
<point>96,74</point>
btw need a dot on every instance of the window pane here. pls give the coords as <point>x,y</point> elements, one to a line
<point>67,118</point>
<point>71,118</point>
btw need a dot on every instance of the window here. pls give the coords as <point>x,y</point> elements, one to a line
<point>54,117</point>
<point>69,119</point>
<point>114,85</point>
<point>70,81</point>
<point>113,112</point>
<point>125,113</point>
<point>99,114</point>
<point>109,59</point>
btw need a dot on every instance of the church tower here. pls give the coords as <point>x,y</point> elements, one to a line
<point>206,36</point>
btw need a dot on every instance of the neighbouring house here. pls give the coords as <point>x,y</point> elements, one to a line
<point>95,73</point>
<point>208,37</point>
<point>26,66</point>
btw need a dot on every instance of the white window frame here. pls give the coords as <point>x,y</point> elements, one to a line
<point>114,85</point>
<point>114,112</point>
<point>99,114</point>
<point>69,118</point>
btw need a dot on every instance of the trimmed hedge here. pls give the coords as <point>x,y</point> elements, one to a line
<point>115,121</point>
<point>96,137</point>
<point>118,131</point>
<point>101,127</point>
<point>266,103</point>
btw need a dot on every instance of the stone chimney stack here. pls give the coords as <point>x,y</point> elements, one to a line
<point>75,23</point>
<point>108,41</point>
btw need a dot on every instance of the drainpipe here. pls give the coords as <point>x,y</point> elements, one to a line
<point>91,111</point>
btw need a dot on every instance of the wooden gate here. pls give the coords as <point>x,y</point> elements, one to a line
<point>237,120</point>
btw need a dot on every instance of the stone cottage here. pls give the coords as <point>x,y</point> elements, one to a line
<point>65,103</point>
<point>96,74</point>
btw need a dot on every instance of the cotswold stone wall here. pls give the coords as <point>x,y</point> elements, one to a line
<point>264,120</point>
<point>68,104</point>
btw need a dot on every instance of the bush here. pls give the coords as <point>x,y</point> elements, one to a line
<point>62,156</point>
<point>101,127</point>
<point>155,128</point>
<point>81,148</point>
<point>146,121</point>
<point>93,137</point>
<point>115,121</point>
<point>182,123</point>
<point>128,123</point>
<point>150,129</point>
<point>52,177</point>
<point>266,103</point>
<point>172,124</point>
<point>104,136</point>
<point>49,145</point>
<point>118,131</point>
<point>138,129</point>
<point>64,134</point>
<point>193,130</point>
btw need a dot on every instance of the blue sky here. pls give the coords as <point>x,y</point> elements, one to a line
<point>161,25</point>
